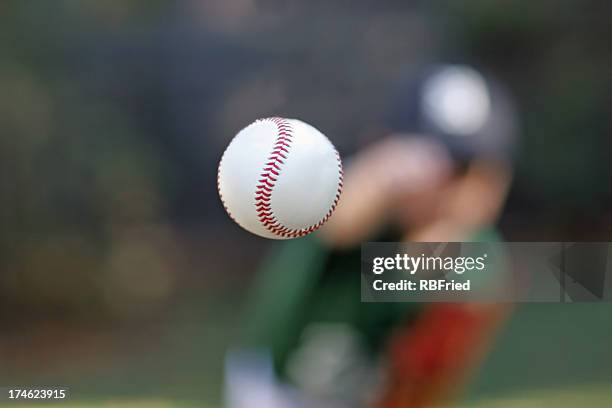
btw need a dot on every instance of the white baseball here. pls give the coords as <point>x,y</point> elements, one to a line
<point>280,178</point>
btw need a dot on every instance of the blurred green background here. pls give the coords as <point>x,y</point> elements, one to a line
<point>120,274</point>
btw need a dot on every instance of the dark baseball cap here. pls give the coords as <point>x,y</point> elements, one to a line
<point>470,113</point>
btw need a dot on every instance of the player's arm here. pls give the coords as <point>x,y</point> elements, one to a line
<point>376,179</point>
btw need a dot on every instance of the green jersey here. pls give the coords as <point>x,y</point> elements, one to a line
<point>304,284</point>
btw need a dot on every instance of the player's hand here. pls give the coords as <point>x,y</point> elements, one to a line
<point>378,178</point>
<point>403,164</point>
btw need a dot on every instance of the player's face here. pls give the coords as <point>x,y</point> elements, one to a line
<point>415,209</point>
<point>422,197</point>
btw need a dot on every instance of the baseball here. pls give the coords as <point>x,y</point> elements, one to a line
<point>280,178</point>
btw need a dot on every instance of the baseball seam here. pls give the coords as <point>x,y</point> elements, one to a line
<point>271,172</point>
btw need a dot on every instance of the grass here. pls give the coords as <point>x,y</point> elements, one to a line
<point>110,404</point>
<point>591,396</point>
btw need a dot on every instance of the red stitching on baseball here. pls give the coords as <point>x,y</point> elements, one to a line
<point>263,192</point>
